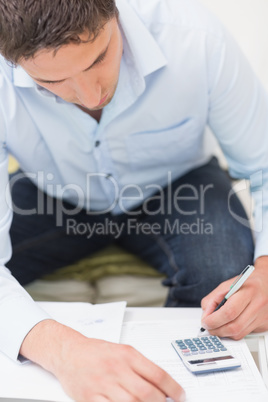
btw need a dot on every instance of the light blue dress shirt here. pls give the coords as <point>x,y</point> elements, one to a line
<point>180,72</point>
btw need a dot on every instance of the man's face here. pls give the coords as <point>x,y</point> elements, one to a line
<point>85,74</point>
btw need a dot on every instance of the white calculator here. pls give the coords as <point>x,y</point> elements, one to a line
<point>205,354</point>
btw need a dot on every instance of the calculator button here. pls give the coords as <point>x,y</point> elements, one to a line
<point>223,349</point>
<point>216,350</point>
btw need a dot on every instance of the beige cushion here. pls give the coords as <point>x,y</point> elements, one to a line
<point>109,275</point>
<point>136,290</point>
<point>62,290</point>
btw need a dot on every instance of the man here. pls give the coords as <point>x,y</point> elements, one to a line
<point>106,113</point>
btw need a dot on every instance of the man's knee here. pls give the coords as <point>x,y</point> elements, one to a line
<point>202,270</point>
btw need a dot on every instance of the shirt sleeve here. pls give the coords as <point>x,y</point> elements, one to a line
<point>18,312</point>
<point>238,116</point>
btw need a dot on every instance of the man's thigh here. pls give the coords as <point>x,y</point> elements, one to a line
<point>46,234</point>
<point>190,234</point>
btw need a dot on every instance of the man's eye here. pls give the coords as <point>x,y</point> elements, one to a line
<point>53,82</point>
<point>100,59</point>
<point>43,83</point>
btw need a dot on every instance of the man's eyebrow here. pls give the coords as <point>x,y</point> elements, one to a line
<point>98,59</point>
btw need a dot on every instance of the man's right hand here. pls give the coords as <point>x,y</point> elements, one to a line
<point>92,370</point>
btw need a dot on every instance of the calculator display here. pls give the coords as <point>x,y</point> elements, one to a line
<point>210,360</point>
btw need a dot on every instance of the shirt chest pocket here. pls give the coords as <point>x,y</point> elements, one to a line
<point>169,146</point>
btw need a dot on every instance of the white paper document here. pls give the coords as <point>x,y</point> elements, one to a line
<point>101,321</point>
<point>29,381</point>
<point>153,339</point>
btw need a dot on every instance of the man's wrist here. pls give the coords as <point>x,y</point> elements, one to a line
<point>48,344</point>
<point>261,262</point>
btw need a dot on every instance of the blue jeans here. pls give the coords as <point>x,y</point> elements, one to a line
<point>186,232</point>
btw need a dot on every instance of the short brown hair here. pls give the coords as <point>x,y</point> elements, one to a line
<point>27,26</point>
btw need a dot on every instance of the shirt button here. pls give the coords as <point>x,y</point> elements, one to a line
<point>108,175</point>
<point>97,143</point>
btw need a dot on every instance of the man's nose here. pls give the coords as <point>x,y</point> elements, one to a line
<point>87,91</point>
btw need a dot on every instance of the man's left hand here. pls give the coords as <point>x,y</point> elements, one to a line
<point>245,311</point>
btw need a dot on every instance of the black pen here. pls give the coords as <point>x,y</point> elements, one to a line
<point>234,287</point>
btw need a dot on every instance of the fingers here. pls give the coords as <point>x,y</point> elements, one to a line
<point>117,393</point>
<point>100,398</point>
<point>141,390</point>
<point>253,318</point>
<point>237,324</point>
<point>159,378</point>
<point>245,311</point>
<point>118,373</point>
<point>214,298</point>
<point>210,307</point>
<point>231,310</point>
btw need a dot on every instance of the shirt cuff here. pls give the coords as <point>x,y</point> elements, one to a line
<point>17,317</point>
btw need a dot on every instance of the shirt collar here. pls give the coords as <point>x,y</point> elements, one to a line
<point>21,78</point>
<point>142,49</point>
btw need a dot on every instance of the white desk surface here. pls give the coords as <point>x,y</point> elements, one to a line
<point>255,342</point>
